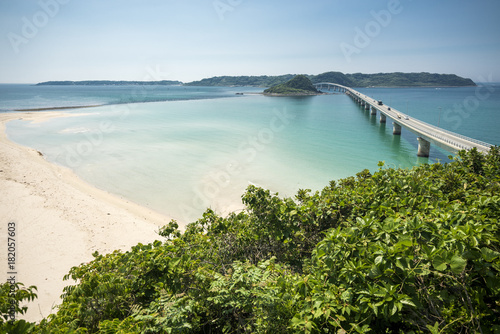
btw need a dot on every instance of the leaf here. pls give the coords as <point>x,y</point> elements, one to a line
<point>439,262</point>
<point>374,272</point>
<point>488,254</point>
<point>408,302</point>
<point>175,262</point>
<point>457,264</point>
<point>405,242</point>
<point>379,259</point>
<point>394,308</point>
<point>401,263</point>
<point>433,329</point>
<point>346,295</point>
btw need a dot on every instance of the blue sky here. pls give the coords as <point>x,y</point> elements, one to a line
<point>189,40</point>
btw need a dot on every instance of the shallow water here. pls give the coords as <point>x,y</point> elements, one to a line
<point>203,147</point>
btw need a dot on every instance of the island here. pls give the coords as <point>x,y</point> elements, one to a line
<point>300,85</point>
<point>395,79</point>
<point>108,83</point>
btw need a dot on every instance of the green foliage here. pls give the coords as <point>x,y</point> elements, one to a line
<point>11,296</point>
<point>228,81</point>
<point>333,77</point>
<point>299,85</point>
<point>399,79</point>
<point>396,79</point>
<point>400,251</point>
<point>107,83</point>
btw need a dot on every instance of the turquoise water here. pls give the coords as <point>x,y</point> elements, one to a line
<point>201,147</point>
<point>470,111</point>
<point>23,96</point>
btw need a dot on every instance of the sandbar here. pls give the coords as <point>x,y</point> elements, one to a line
<point>60,220</point>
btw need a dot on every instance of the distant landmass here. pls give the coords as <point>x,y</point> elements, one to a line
<point>298,85</point>
<point>397,79</point>
<point>256,81</point>
<point>107,83</point>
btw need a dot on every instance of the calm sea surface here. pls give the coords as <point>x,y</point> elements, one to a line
<point>179,150</point>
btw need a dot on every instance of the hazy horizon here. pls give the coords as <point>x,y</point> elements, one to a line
<point>57,40</point>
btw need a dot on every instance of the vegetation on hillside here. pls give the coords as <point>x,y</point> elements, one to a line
<point>397,251</point>
<point>108,83</point>
<point>229,81</point>
<point>397,79</point>
<point>299,85</point>
<point>333,77</point>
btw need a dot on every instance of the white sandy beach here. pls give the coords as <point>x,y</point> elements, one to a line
<point>60,220</point>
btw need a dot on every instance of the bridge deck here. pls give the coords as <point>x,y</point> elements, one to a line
<point>450,141</point>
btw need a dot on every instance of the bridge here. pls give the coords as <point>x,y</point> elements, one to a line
<point>426,133</point>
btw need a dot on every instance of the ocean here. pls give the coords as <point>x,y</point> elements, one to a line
<point>179,150</point>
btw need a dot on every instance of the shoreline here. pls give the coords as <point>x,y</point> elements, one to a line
<point>296,94</point>
<point>60,219</point>
<point>58,108</point>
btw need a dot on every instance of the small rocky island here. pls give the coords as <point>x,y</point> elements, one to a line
<point>300,85</point>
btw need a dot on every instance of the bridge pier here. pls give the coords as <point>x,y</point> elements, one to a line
<point>374,111</point>
<point>396,129</point>
<point>424,147</point>
<point>447,141</point>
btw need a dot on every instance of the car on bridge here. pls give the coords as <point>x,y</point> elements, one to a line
<point>380,102</point>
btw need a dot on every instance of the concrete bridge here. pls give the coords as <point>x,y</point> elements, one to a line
<point>426,133</point>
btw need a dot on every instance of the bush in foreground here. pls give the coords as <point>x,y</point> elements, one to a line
<point>400,251</point>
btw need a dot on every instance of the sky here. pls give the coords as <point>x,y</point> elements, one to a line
<point>187,40</point>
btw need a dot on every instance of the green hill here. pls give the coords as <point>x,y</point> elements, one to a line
<point>229,81</point>
<point>108,83</point>
<point>397,79</point>
<point>333,77</point>
<point>299,85</point>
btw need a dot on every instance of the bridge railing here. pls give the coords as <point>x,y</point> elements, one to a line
<point>430,133</point>
<point>451,142</point>
<point>454,134</point>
